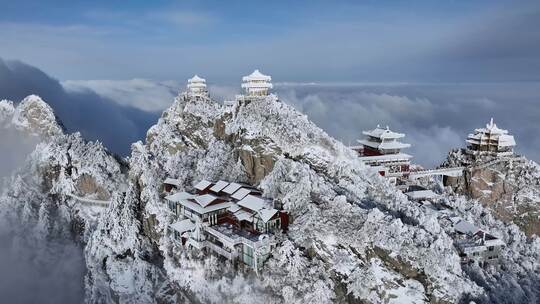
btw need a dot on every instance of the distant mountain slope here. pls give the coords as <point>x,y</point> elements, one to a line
<point>94,115</point>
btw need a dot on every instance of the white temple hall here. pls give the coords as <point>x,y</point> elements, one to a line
<point>197,86</point>
<point>490,140</point>
<point>256,84</point>
<point>381,149</point>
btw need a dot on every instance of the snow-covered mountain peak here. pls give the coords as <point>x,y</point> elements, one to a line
<point>35,116</point>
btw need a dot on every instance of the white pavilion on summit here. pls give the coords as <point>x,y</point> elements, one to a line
<point>381,149</point>
<point>257,84</point>
<point>490,140</point>
<point>197,86</point>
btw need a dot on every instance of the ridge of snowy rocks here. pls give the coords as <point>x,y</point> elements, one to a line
<point>353,237</point>
<point>508,186</point>
<point>31,115</point>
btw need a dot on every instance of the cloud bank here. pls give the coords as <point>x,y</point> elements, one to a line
<point>13,151</point>
<point>50,273</point>
<point>143,94</point>
<point>435,117</point>
<point>97,117</point>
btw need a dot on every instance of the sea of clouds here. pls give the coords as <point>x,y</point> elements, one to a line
<point>435,117</point>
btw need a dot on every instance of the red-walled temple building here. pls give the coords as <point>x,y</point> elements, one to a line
<point>381,149</point>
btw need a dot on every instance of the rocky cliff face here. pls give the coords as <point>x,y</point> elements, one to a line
<point>508,186</point>
<point>353,237</point>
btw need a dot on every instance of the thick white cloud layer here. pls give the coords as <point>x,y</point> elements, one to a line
<point>435,117</point>
<point>147,95</point>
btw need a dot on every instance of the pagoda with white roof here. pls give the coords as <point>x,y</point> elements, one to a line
<point>381,141</point>
<point>490,140</point>
<point>257,84</point>
<point>381,149</point>
<point>197,86</point>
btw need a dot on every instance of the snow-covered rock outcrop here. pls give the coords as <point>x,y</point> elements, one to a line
<point>37,117</point>
<point>509,186</point>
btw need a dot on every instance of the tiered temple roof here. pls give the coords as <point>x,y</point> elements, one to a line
<point>381,150</point>
<point>197,86</point>
<point>491,139</point>
<point>381,141</point>
<point>257,84</point>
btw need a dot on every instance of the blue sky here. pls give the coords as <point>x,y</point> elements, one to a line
<point>414,41</point>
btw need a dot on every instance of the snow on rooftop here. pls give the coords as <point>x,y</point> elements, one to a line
<point>386,157</point>
<point>466,227</point>
<point>234,208</point>
<point>385,145</point>
<point>244,216</point>
<point>205,200</point>
<point>422,194</point>
<point>179,196</point>
<point>202,210</point>
<point>195,79</point>
<point>220,185</point>
<point>256,75</point>
<point>252,202</point>
<point>202,185</point>
<point>183,226</point>
<point>241,193</point>
<point>232,188</point>
<point>381,133</point>
<point>494,242</point>
<point>267,214</point>
<point>172,181</point>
